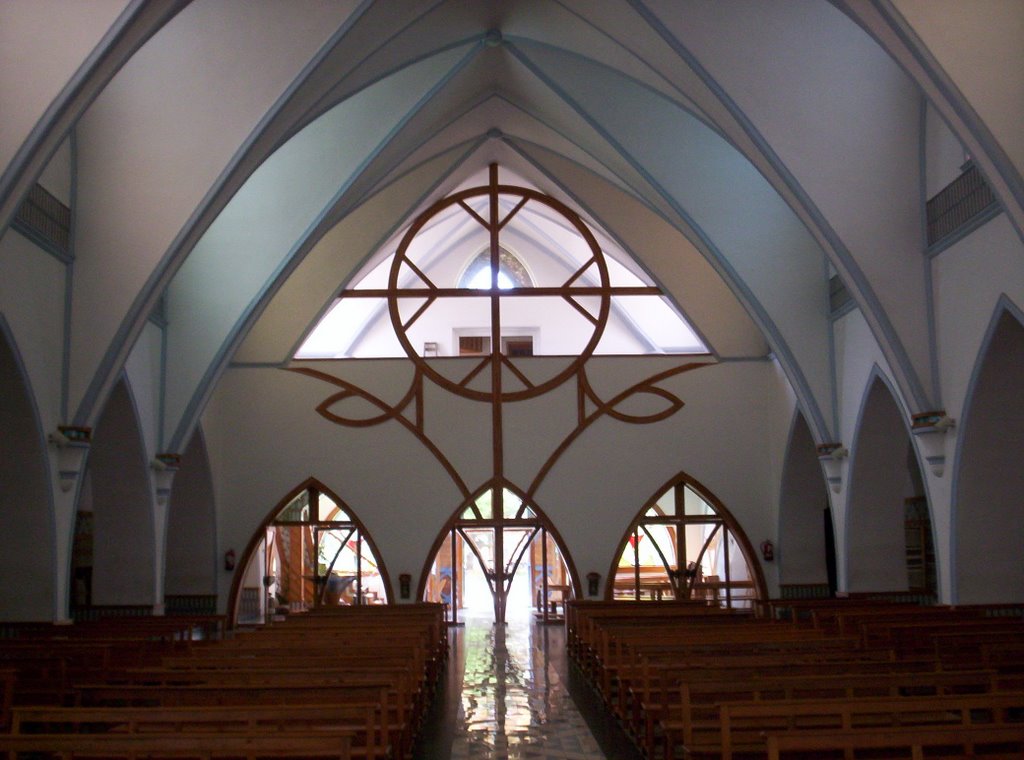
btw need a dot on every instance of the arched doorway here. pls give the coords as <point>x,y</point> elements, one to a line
<point>988,507</point>
<point>889,534</point>
<point>497,549</point>
<point>26,513</point>
<point>805,520</point>
<point>113,553</point>
<point>685,545</point>
<point>311,552</point>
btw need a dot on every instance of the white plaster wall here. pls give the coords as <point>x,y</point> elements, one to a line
<point>26,515</point>
<point>969,279</point>
<point>256,234</point>
<point>124,552</point>
<point>32,302</point>
<point>143,370</point>
<point>857,356</point>
<point>989,479</point>
<point>56,177</point>
<point>803,497</point>
<point>944,154</point>
<point>843,117</point>
<point>191,526</point>
<point>264,437</point>
<point>43,42</point>
<point>978,46</point>
<point>875,539</point>
<point>157,138</point>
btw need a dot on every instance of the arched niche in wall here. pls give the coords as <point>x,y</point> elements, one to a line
<point>311,551</point>
<point>804,516</point>
<point>191,568</point>
<point>989,488</point>
<point>26,516</point>
<point>115,519</point>
<point>684,544</point>
<point>886,504</point>
<point>499,556</point>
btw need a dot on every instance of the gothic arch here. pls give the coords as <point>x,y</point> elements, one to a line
<point>506,512</point>
<point>308,523</point>
<point>27,560</point>
<point>885,489</point>
<point>119,498</point>
<point>191,566</point>
<point>694,555</point>
<point>988,514</point>
<point>802,500</point>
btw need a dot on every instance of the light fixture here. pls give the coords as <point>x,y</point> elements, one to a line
<point>930,428</point>
<point>831,456</point>
<point>72,443</point>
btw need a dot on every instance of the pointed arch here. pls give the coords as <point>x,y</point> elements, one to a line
<point>692,544</point>
<point>886,495</point>
<point>119,505</point>
<point>503,512</point>
<point>326,530</point>
<point>191,542</point>
<point>27,532</point>
<point>802,500</point>
<point>988,514</point>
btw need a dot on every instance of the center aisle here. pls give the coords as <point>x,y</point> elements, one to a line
<point>506,695</point>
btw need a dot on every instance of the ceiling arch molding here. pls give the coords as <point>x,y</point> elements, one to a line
<point>203,224</point>
<point>137,22</point>
<point>195,390</point>
<point>909,370</point>
<point>739,256</point>
<point>265,134</point>
<point>896,34</point>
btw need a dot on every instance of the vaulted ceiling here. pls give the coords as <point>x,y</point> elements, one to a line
<point>236,162</point>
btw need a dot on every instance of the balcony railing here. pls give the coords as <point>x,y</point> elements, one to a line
<point>43,216</point>
<point>958,204</point>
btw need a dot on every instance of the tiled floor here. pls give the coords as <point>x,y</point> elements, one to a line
<point>507,695</point>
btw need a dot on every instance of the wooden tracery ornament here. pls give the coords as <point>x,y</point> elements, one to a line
<point>494,378</point>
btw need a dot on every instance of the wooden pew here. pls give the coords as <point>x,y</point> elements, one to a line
<point>7,679</point>
<point>246,695</point>
<point>968,739</point>
<point>745,725</point>
<point>202,746</point>
<point>645,663</point>
<point>362,720</point>
<point>384,657</point>
<point>696,720</point>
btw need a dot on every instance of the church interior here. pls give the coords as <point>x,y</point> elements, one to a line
<point>510,346</point>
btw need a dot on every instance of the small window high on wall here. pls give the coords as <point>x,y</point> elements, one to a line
<point>685,546</point>
<point>312,552</point>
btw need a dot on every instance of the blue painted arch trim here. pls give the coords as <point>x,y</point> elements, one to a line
<point>514,144</point>
<point>956,100</point>
<point>704,243</point>
<point>470,147</point>
<point>77,95</point>
<point>239,167</point>
<point>259,303</point>
<point>818,227</point>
